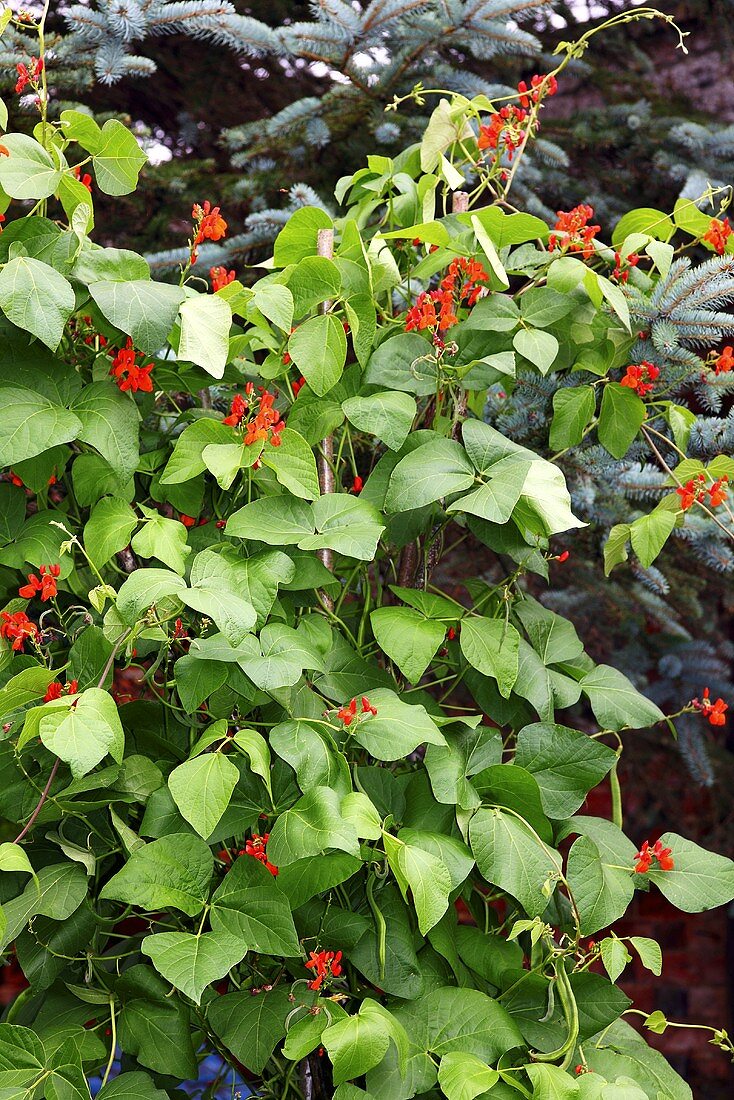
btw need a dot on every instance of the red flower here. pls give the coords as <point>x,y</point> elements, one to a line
<point>573,232</point>
<point>347,713</point>
<point>717,234</point>
<point>128,374</point>
<point>220,277</point>
<point>367,707</point>
<point>451,633</point>
<point>564,556</point>
<point>188,521</point>
<point>237,411</point>
<point>541,86</point>
<point>18,627</point>
<point>256,847</point>
<point>725,361</point>
<point>647,854</point>
<point>718,492</point>
<point>641,377</point>
<point>325,964</point>
<point>266,424</point>
<point>29,76</point>
<point>45,584</point>
<point>55,690</point>
<point>357,484</point>
<point>86,179</point>
<point>208,223</point>
<point>691,492</point>
<point>460,286</point>
<point>632,261</point>
<point>715,712</point>
<point>298,385</point>
<point>506,128</point>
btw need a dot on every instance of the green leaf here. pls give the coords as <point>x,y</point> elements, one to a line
<point>318,348</point>
<point>346,524</point>
<point>84,734</point>
<point>496,499</point>
<point>31,424</point>
<point>573,410</point>
<point>132,1085</point>
<point>460,1021</point>
<point>161,538</point>
<point>250,907</point>
<point>650,954</point>
<point>463,1076</point>
<point>202,789</point>
<point>403,363</point>
<point>540,306</point>
<point>205,323</point>
<point>57,891</point>
<point>388,415</point>
<point>251,1026</point>
<point>432,471</point>
<point>507,229</point>
<point>620,1052</point>
<point>278,521</point>
<point>108,529</point>
<point>538,347</point>
<point>186,461</point>
<point>491,646</point>
<point>143,589</point>
<point>357,1044</point>
<point>276,302</point>
<point>142,309</point>
<point>25,687</point>
<point>553,638</point>
<point>117,159</point>
<point>600,885</point>
<point>422,873</point>
<point>616,703</point>
<point>191,963</point>
<point>22,1059</point>
<point>29,171</point>
<point>175,870</point>
<point>407,638</point>
<point>643,220</point>
<point>313,755</point>
<point>280,658</point>
<point>566,764</point>
<point>650,533</point>
<point>36,298</point>
<point>110,424</point>
<point>298,237</point>
<point>512,858</point>
<point>15,858</point>
<point>615,956</point>
<point>155,1027</point>
<point>615,548</point>
<point>622,413</point>
<point>552,1083</point>
<point>699,881</point>
<point>397,729</point>
<point>310,828</point>
<point>196,680</point>
<point>256,747</point>
<point>294,464</point>
<point>225,460</point>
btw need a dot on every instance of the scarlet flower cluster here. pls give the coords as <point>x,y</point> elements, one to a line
<point>540,87</point>
<point>715,712</point>
<point>641,378</point>
<point>725,362</point>
<point>647,854</point>
<point>28,75</point>
<point>220,277</point>
<point>45,585</point>
<point>298,385</point>
<point>694,492</point>
<point>325,964</point>
<point>718,234</point>
<point>623,275</point>
<point>129,375</point>
<point>265,424</point>
<point>18,627</point>
<point>573,232</point>
<point>505,125</point>
<point>348,713</point>
<point>256,847</point>
<point>209,225</point>
<point>462,285</point>
<point>55,690</point>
